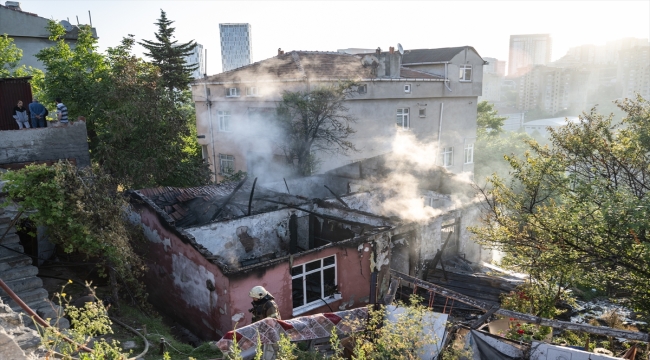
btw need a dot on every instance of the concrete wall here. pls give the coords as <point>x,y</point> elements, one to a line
<point>30,34</point>
<point>42,144</point>
<point>177,278</point>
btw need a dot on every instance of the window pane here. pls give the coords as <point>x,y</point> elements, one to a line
<point>328,261</point>
<point>297,292</point>
<point>468,74</point>
<point>406,111</point>
<point>314,287</point>
<point>329,279</point>
<point>296,270</point>
<point>313,265</point>
<point>399,111</point>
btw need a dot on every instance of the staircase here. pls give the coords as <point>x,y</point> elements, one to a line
<point>17,271</point>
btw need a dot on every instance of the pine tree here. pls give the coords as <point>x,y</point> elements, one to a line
<point>168,55</point>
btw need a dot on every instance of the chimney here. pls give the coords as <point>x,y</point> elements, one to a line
<point>391,50</point>
<point>378,51</point>
<point>13,5</point>
<point>280,52</point>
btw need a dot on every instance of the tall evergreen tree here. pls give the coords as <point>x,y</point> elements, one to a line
<point>169,56</point>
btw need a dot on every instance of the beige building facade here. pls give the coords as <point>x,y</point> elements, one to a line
<point>429,93</point>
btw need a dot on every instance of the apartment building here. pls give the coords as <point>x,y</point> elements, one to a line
<point>236,45</point>
<point>527,51</point>
<point>196,58</point>
<point>634,72</point>
<point>430,93</point>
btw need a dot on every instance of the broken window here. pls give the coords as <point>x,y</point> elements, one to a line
<point>465,73</point>
<point>313,282</point>
<point>469,153</point>
<point>403,118</point>
<point>226,164</point>
<point>448,156</point>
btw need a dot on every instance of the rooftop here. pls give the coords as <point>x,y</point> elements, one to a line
<point>432,55</point>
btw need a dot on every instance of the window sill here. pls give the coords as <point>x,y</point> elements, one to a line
<point>316,304</point>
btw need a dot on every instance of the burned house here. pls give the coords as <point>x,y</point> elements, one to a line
<point>318,244</point>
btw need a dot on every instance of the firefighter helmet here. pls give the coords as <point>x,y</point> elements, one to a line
<point>258,292</point>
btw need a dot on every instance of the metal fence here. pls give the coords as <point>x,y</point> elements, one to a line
<point>12,90</point>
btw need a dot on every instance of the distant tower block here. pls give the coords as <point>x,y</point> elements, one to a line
<point>236,45</point>
<point>527,51</point>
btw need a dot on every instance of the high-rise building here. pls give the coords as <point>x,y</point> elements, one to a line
<point>527,51</point>
<point>196,58</point>
<point>236,45</point>
<point>494,66</point>
<point>634,72</point>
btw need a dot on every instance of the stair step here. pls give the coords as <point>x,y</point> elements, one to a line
<point>6,253</point>
<point>27,297</point>
<point>50,311</point>
<point>9,239</point>
<point>14,261</point>
<point>24,284</point>
<point>19,273</point>
<point>28,341</point>
<point>61,324</point>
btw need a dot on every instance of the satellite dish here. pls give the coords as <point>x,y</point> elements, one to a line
<point>400,49</point>
<point>66,25</point>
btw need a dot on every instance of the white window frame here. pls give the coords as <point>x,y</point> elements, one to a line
<point>447,155</point>
<point>462,75</point>
<point>225,159</point>
<point>224,120</point>
<point>252,91</point>
<point>469,153</point>
<point>233,92</point>
<point>407,88</point>
<point>305,307</point>
<point>403,118</point>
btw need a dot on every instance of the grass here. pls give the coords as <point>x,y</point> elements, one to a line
<point>156,330</point>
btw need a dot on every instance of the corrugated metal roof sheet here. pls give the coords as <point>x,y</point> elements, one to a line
<point>432,55</point>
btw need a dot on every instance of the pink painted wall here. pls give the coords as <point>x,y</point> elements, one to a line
<point>163,278</point>
<point>353,275</point>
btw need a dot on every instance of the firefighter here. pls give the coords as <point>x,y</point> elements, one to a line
<point>263,304</point>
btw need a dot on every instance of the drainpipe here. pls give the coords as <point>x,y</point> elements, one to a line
<point>447,76</point>
<point>442,108</point>
<point>214,158</point>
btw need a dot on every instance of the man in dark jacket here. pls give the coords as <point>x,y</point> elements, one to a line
<point>263,304</point>
<point>38,113</point>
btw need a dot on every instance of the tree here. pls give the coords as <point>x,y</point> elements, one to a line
<point>10,56</point>
<point>578,211</point>
<point>315,121</point>
<point>140,132</point>
<point>169,56</point>
<point>492,143</point>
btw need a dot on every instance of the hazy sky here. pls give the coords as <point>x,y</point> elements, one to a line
<point>331,25</point>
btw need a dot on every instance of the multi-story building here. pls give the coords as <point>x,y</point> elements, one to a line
<point>493,75</point>
<point>430,93</point>
<point>527,51</point>
<point>29,32</point>
<point>634,72</point>
<point>494,66</point>
<point>236,46</point>
<point>196,58</point>
<point>553,90</point>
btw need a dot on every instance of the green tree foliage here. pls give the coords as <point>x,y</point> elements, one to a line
<point>10,56</point>
<point>577,212</point>
<point>169,55</point>
<point>315,122</point>
<point>139,131</point>
<point>82,212</point>
<point>493,144</point>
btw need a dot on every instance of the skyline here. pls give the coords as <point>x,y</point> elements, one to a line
<point>486,26</point>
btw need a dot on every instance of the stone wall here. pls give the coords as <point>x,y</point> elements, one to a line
<point>17,342</point>
<point>44,145</point>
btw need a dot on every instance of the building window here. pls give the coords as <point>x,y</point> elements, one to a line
<point>232,92</point>
<point>204,152</point>
<point>469,153</point>
<point>312,282</point>
<point>465,73</point>
<point>447,156</point>
<point>224,120</point>
<point>407,88</point>
<point>423,112</point>
<point>362,89</point>
<point>251,91</point>
<point>403,118</point>
<point>226,164</point>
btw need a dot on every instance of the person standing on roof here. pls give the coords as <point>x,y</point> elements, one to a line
<point>61,112</point>
<point>264,305</point>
